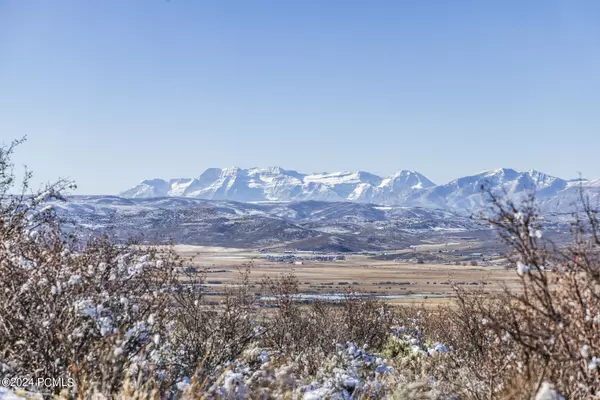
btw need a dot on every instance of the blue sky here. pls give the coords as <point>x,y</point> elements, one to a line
<point>112,92</point>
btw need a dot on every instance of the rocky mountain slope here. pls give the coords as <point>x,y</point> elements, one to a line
<point>278,184</point>
<point>311,225</point>
<point>405,188</point>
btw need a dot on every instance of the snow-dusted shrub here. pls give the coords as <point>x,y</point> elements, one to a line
<point>307,333</point>
<point>202,337</point>
<point>72,309</point>
<point>541,338</point>
<point>65,313</point>
<point>349,372</point>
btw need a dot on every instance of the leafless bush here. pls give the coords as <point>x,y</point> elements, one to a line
<point>511,345</point>
<point>70,309</point>
<point>204,337</point>
<point>308,332</point>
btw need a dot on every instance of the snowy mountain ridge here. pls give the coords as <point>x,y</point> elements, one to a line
<point>404,188</point>
<point>278,184</point>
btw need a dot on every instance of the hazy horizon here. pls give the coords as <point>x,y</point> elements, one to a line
<point>112,93</point>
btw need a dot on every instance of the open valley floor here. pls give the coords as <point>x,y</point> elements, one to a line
<point>393,280</point>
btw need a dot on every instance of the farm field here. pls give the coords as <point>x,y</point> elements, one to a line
<point>396,282</point>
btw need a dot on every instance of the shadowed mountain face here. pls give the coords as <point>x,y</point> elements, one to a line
<point>327,226</point>
<point>405,188</point>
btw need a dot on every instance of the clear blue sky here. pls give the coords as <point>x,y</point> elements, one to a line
<point>111,92</point>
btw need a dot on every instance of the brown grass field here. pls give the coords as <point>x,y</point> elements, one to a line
<point>405,283</point>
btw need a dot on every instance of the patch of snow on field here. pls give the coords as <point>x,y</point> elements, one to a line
<point>332,229</point>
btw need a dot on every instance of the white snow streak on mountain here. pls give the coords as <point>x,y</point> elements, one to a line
<point>406,188</point>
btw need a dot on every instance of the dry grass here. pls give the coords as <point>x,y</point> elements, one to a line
<point>359,272</point>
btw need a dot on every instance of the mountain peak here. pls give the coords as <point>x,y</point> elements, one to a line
<point>404,187</point>
<point>153,181</point>
<point>271,170</point>
<point>408,179</point>
<point>233,170</point>
<point>499,172</point>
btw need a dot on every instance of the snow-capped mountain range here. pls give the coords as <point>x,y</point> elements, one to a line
<point>404,188</point>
